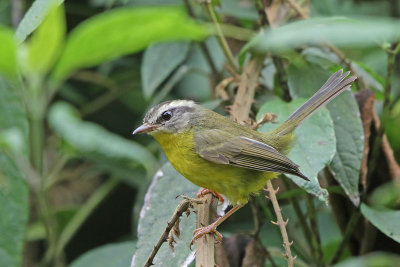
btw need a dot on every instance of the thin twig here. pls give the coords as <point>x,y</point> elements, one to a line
<point>314,228</point>
<point>182,207</point>
<point>83,213</point>
<point>282,78</point>
<point>353,222</point>
<point>256,216</point>
<point>298,9</point>
<point>300,216</point>
<point>281,223</point>
<point>221,37</point>
<point>392,52</point>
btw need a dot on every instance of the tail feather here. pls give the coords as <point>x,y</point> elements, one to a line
<point>336,84</point>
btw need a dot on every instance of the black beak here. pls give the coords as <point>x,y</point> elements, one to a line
<point>145,128</point>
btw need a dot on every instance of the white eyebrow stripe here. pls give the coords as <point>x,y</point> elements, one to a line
<point>169,105</point>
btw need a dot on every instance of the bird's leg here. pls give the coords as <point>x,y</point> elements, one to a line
<point>212,228</point>
<point>205,191</point>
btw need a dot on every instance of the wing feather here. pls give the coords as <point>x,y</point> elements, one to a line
<point>222,148</point>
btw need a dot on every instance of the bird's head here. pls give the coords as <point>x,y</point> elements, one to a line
<point>169,117</point>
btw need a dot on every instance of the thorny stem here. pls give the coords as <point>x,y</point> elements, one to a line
<point>281,223</point>
<point>314,229</point>
<point>220,36</point>
<point>300,216</point>
<point>180,209</point>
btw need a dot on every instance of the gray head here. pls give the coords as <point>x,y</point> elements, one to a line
<point>170,116</point>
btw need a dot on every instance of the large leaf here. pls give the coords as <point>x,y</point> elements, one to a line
<point>335,30</point>
<point>159,61</point>
<point>304,81</point>
<point>313,147</point>
<point>122,31</point>
<point>160,204</point>
<point>116,255</point>
<point>8,53</point>
<point>93,140</point>
<point>45,45</point>
<point>196,84</point>
<point>372,260</point>
<point>13,212</point>
<point>387,221</point>
<point>34,17</point>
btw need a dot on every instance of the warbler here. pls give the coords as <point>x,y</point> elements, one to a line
<point>226,157</point>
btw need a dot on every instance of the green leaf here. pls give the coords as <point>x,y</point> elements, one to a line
<point>159,61</point>
<point>93,140</point>
<point>45,45</point>
<point>374,259</point>
<point>198,80</point>
<point>387,221</point>
<point>13,212</point>
<point>339,31</point>
<point>349,133</point>
<point>122,31</point>
<point>8,53</point>
<point>160,204</point>
<point>34,17</point>
<point>116,255</point>
<point>304,81</point>
<point>313,147</point>
<point>372,78</point>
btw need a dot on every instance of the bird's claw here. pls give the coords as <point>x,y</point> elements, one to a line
<point>210,229</point>
<point>205,191</point>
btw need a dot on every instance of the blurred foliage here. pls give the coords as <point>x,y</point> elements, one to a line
<point>76,77</point>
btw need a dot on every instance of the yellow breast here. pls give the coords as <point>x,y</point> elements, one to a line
<point>233,182</point>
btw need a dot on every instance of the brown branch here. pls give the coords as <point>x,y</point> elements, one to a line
<point>206,213</point>
<point>185,204</point>
<point>244,98</point>
<point>281,223</point>
<point>298,9</point>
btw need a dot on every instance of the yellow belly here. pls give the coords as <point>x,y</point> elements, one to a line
<point>234,182</point>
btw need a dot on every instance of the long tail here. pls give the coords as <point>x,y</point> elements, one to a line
<point>336,84</point>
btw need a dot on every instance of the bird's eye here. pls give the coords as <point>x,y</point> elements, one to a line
<point>166,115</point>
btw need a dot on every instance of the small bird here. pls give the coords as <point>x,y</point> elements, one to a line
<point>225,157</point>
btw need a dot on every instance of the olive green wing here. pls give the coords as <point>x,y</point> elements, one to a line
<point>223,148</point>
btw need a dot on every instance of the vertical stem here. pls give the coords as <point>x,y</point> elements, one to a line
<point>314,229</point>
<point>36,142</point>
<point>300,216</point>
<point>346,237</point>
<point>282,78</point>
<point>245,95</point>
<point>392,52</point>
<point>220,36</point>
<point>281,223</point>
<point>205,244</point>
